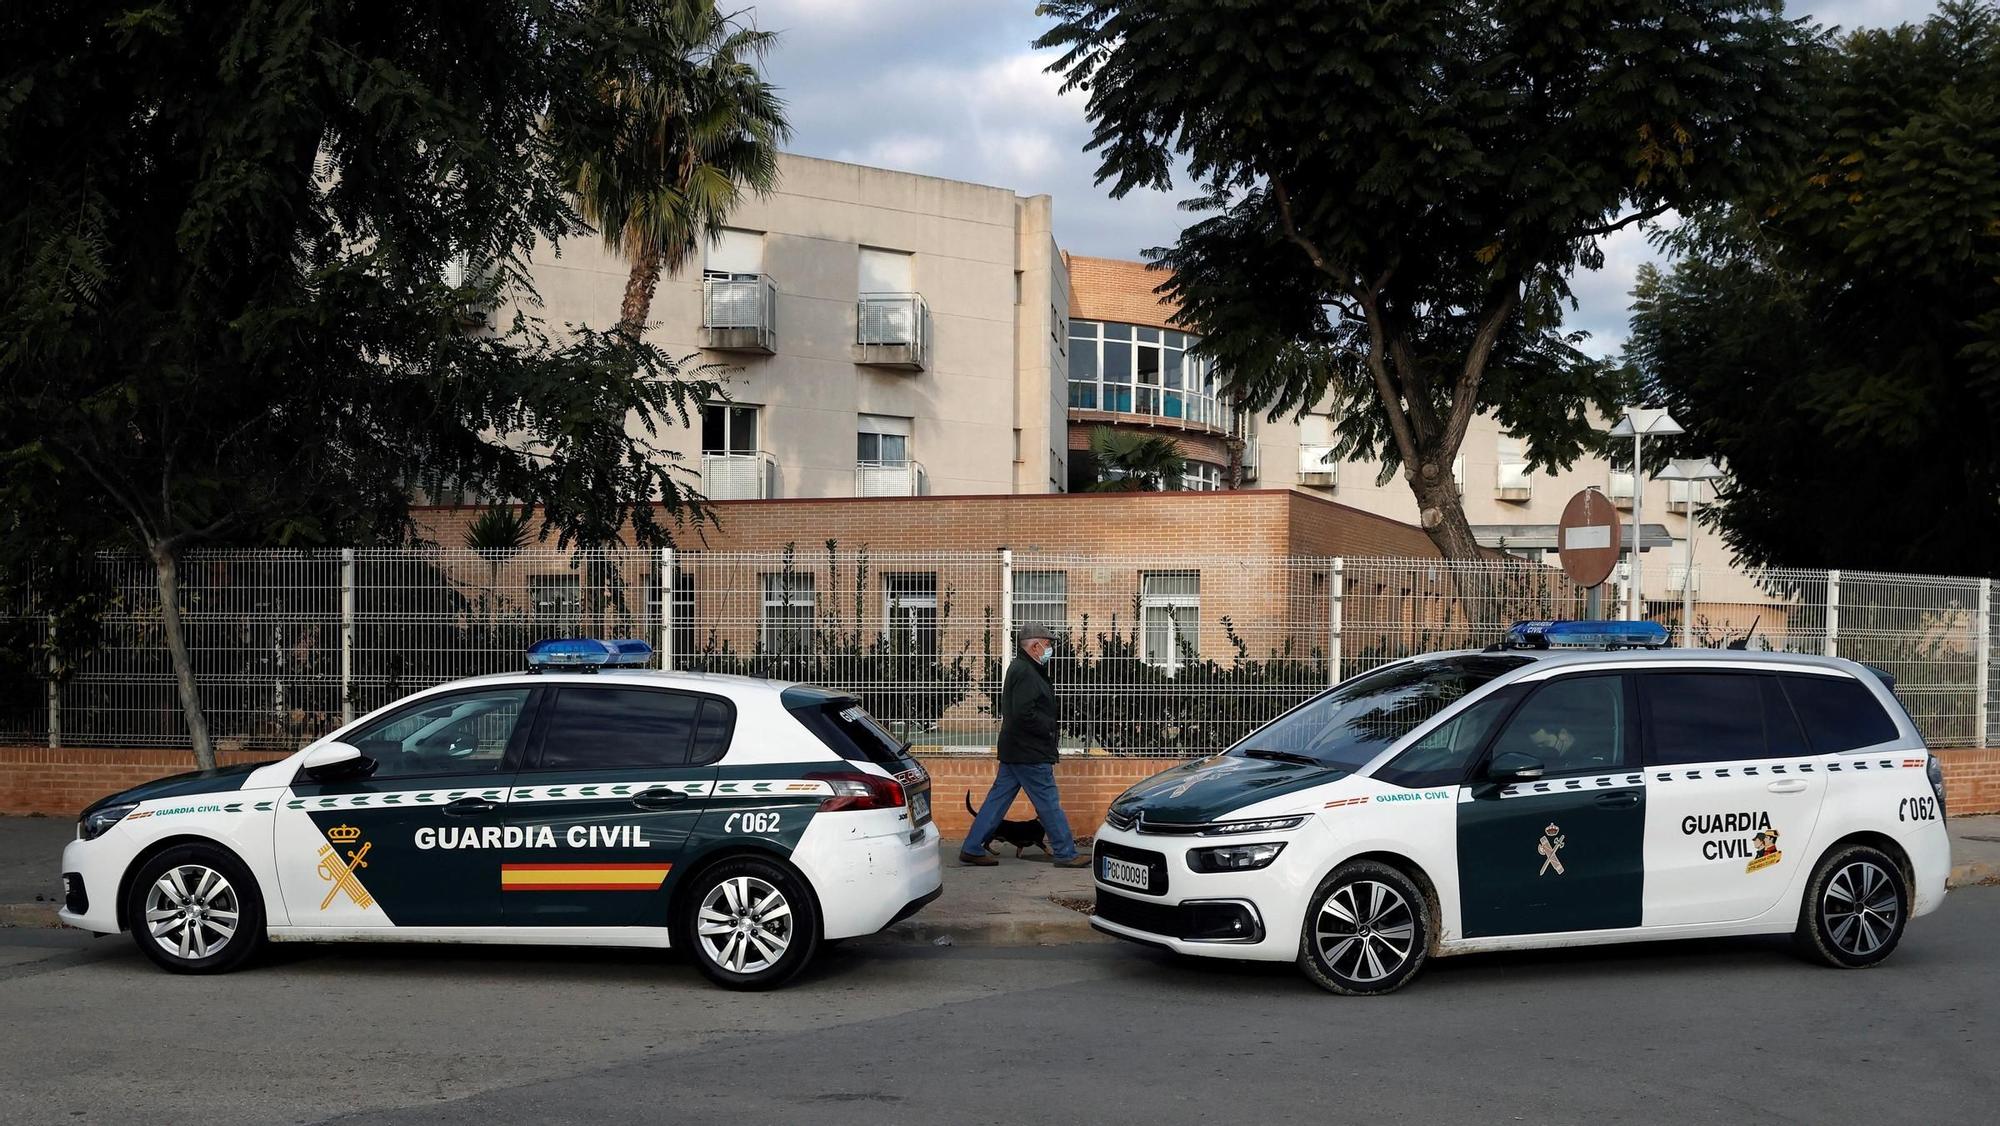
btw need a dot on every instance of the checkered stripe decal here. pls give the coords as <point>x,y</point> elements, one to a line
<point>1564,785</point>
<point>595,791</point>
<point>1696,774</point>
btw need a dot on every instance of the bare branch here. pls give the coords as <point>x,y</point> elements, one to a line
<point>1635,217</point>
<point>1465,392</point>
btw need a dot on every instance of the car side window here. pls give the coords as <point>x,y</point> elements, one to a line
<point>1572,725</point>
<point>1839,712</point>
<point>464,733</point>
<point>1696,717</point>
<point>593,728</point>
<point>1442,757</point>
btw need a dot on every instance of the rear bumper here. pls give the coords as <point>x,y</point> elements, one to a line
<point>867,883</point>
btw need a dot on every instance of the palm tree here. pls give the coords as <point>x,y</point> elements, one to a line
<point>1135,463</point>
<point>696,125</point>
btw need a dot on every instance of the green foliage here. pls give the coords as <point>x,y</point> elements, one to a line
<point>1135,463</point>
<point>1832,335</point>
<point>1395,195</point>
<point>499,530</point>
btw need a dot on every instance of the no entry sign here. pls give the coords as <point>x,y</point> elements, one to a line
<point>1587,538</point>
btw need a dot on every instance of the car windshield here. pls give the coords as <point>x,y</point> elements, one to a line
<point>1352,723</point>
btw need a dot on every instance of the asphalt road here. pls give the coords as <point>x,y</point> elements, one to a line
<point>1732,1032</point>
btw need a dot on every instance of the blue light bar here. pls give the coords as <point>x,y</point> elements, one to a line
<point>588,653</point>
<point>1586,635</point>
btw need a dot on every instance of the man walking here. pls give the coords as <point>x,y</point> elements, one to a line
<point>1029,720</point>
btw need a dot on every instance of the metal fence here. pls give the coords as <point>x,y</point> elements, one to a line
<point>1159,655</point>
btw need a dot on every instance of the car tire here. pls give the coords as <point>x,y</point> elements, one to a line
<point>1367,930</point>
<point>195,909</point>
<point>1855,908</point>
<point>739,936</point>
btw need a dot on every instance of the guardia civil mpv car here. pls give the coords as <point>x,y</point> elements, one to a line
<point>585,801</point>
<point>1577,784</point>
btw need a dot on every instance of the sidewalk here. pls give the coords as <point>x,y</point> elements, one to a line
<point>1020,903</point>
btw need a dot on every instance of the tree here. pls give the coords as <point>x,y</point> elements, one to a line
<point>698,125</point>
<point>234,308</point>
<point>1135,463</point>
<point>1397,193</point>
<point>1833,336</point>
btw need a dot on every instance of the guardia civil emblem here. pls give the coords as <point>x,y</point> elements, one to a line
<point>1551,843</point>
<point>1767,854</point>
<point>341,873</point>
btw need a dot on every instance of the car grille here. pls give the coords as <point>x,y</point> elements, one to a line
<point>1199,921</point>
<point>1120,821</point>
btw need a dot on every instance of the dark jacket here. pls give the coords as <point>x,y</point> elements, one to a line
<point>1029,717</point>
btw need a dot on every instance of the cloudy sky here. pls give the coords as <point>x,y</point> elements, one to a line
<point>952,88</point>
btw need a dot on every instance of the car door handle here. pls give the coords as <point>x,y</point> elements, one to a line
<point>466,807</point>
<point>659,799</point>
<point>1787,786</point>
<point>1623,799</point>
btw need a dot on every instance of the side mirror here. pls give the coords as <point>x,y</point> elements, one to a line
<point>1513,766</point>
<point>333,761</point>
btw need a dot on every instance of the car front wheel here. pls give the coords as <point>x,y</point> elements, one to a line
<point>1367,930</point>
<point>750,924</point>
<point>195,909</point>
<point>1855,907</point>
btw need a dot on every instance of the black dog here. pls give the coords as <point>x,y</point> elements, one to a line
<point>1023,835</point>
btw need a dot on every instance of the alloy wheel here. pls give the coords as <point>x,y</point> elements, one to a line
<point>1365,931</point>
<point>745,924</point>
<point>192,911</point>
<point>1861,908</point>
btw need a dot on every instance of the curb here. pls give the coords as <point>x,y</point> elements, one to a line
<point>995,931</point>
<point>28,915</point>
<point>1975,874</point>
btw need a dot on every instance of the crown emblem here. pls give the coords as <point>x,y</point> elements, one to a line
<point>1550,831</point>
<point>343,834</point>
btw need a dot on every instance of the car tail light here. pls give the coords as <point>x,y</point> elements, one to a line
<point>855,790</point>
<point>1935,772</point>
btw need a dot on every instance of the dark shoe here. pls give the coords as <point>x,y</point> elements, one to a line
<point>985,860</point>
<point>1077,861</point>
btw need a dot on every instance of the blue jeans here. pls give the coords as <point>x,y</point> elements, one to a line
<point>1039,779</point>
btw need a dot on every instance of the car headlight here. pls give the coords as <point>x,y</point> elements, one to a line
<point>1263,825</point>
<point>98,822</point>
<point>1235,858</point>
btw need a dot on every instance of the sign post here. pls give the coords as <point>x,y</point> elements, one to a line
<point>1587,543</point>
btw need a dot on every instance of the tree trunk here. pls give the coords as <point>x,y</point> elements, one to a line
<point>639,286</point>
<point>167,575</point>
<point>1440,510</point>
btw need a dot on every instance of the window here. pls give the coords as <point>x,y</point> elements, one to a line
<point>910,606</point>
<point>728,429</point>
<point>1512,473</point>
<point>1575,725</point>
<point>846,728</point>
<point>1201,477</point>
<point>1442,757</point>
<point>612,728</point>
<point>555,604</point>
<point>1135,369</point>
<point>885,271</point>
<point>787,621</point>
<point>464,733</point>
<point>1352,723</point>
<point>1170,618</point>
<point>1696,717</point>
<point>1041,598</point>
<point>882,440</point>
<point>735,254</point>
<point>1839,712</point>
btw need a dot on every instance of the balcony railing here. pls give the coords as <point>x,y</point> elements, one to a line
<point>1512,481</point>
<point>890,479</point>
<point>1621,488</point>
<point>739,314</point>
<point>1159,404</point>
<point>893,330</point>
<point>738,476</point>
<point>1315,466</point>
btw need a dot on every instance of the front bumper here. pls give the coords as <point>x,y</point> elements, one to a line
<point>91,872</point>
<point>1249,915</point>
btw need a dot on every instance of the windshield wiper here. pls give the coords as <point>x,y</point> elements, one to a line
<point>1282,756</point>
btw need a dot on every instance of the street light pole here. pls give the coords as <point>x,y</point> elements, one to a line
<point>1637,423</point>
<point>1694,471</point>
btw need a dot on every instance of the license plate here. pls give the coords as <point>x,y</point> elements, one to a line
<point>1124,873</point>
<point>920,808</point>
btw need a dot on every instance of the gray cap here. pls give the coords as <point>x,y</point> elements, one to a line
<point>1036,633</point>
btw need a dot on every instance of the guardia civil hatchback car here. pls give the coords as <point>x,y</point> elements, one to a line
<point>582,802</point>
<point>1577,784</point>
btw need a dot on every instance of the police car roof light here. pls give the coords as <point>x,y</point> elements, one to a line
<point>588,653</point>
<point>1586,635</point>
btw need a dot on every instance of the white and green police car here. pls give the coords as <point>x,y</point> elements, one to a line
<point>1575,785</point>
<point>582,802</point>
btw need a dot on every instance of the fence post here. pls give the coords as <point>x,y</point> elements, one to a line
<point>1833,613</point>
<point>1335,591</point>
<point>1983,647</point>
<point>667,609</point>
<point>1006,608</point>
<point>55,695</point>
<point>346,635</point>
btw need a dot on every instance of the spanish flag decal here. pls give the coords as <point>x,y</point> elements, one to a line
<point>583,877</point>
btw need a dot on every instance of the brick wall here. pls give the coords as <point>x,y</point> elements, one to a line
<point>1971,779</point>
<point>61,782</point>
<point>1088,785</point>
<point>1108,289</point>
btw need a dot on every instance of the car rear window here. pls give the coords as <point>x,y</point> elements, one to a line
<point>847,729</point>
<point>1839,712</point>
<point>608,728</point>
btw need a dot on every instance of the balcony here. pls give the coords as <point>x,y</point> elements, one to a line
<point>739,476</point>
<point>1680,499</point>
<point>1621,489</point>
<point>893,330</point>
<point>1316,466</point>
<point>739,314</point>
<point>1514,482</point>
<point>890,479</point>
